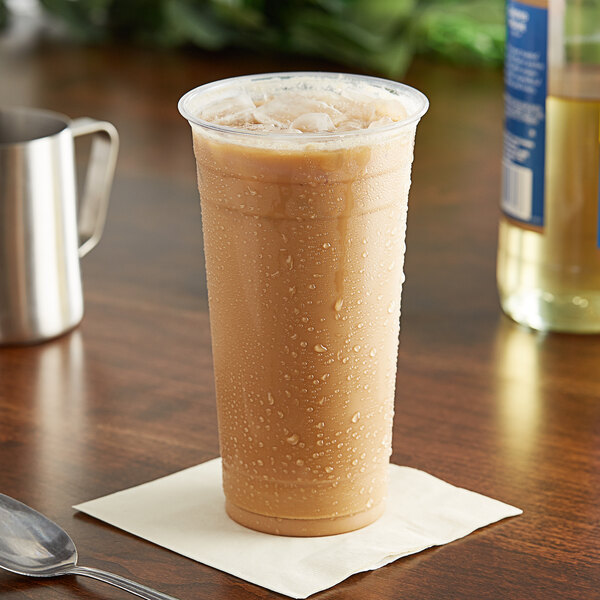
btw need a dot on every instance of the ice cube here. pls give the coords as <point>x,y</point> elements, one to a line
<point>393,109</point>
<point>349,125</point>
<point>237,119</point>
<point>380,122</point>
<point>355,96</point>
<point>313,122</point>
<point>267,115</point>
<point>285,108</point>
<point>229,110</point>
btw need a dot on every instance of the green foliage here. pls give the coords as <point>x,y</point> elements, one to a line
<point>582,31</point>
<point>3,14</point>
<point>374,35</point>
<point>86,19</point>
<point>467,31</point>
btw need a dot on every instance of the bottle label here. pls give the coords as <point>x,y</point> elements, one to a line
<point>525,88</point>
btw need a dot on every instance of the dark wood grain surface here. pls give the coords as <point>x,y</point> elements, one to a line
<point>128,396</point>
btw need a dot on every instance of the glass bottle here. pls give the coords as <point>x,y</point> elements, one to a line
<point>549,240</point>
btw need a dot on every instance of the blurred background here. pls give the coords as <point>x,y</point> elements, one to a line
<point>377,36</point>
<point>129,61</point>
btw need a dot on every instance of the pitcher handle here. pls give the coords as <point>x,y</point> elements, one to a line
<point>98,181</point>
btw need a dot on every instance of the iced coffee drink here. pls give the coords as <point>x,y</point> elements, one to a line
<point>303,182</point>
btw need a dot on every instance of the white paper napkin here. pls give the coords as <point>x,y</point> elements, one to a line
<point>185,513</point>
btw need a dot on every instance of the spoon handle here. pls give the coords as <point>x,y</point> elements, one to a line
<point>121,582</point>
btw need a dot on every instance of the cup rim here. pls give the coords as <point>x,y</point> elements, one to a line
<point>400,89</point>
<point>61,120</point>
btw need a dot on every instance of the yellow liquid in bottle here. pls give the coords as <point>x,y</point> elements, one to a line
<point>549,278</point>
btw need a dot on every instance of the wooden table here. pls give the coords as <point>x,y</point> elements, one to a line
<point>128,396</point>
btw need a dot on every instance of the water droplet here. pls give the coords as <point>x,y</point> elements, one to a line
<point>299,462</point>
<point>355,417</point>
<point>338,304</point>
<point>373,352</point>
<point>328,469</point>
<point>290,261</point>
<point>270,398</point>
<point>356,348</point>
<point>579,301</point>
<point>293,439</point>
<point>326,245</point>
<point>320,425</point>
<point>320,348</point>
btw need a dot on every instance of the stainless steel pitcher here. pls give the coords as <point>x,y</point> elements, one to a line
<point>43,231</point>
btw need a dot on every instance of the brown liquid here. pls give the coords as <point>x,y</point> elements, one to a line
<point>304,255</point>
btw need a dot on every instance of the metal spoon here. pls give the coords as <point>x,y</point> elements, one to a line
<point>31,544</point>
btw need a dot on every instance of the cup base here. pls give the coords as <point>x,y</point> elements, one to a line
<point>304,527</point>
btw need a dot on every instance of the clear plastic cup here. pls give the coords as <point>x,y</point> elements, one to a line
<point>304,237</point>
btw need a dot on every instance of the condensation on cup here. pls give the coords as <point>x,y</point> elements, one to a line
<point>303,181</point>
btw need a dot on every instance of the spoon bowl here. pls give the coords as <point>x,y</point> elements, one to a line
<point>31,544</point>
